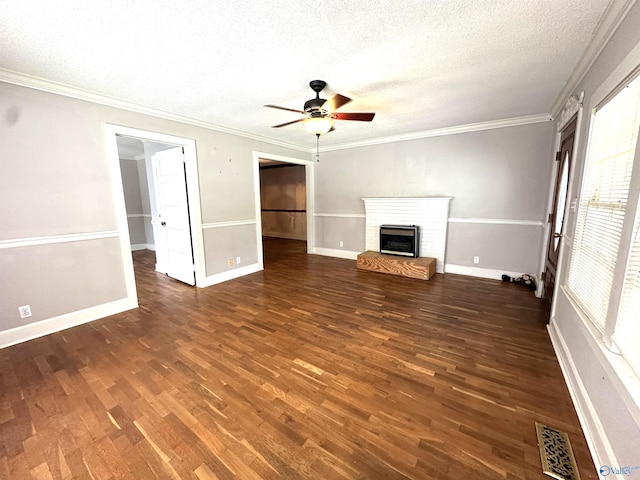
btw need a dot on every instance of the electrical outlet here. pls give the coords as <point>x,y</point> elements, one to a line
<point>230,262</point>
<point>341,243</point>
<point>25,311</point>
<point>476,259</point>
<point>237,260</point>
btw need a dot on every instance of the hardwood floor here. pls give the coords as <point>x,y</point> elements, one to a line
<point>311,369</point>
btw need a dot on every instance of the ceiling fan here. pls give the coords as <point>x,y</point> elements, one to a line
<point>319,114</point>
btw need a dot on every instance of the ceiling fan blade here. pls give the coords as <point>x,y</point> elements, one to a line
<point>288,123</point>
<point>335,102</point>
<point>284,108</point>
<point>362,117</point>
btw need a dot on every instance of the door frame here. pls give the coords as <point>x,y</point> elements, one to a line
<point>563,165</point>
<point>193,198</point>
<point>570,205</point>
<point>309,187</point>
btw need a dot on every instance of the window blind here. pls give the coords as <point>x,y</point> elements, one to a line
<point>627,333</point>
<point>603,201</point>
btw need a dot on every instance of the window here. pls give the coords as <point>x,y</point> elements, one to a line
<point>606,249</point>
<point>627,331</point>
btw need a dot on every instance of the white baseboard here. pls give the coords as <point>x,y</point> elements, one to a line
<point>448,268</point>
<point>55,324</point>
<point>230,275</point>
<point>597,440</point>
<point>142,246</point>
<point>333,252</point>
<point>479,272</point>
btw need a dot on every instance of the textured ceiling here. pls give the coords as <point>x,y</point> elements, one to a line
<point>420,65</point>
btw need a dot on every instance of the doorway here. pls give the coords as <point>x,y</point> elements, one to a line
<point>190,187</point>
<point>286,211</point>
<point>564,160</point>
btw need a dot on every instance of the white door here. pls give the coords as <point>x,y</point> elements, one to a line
<point>174,253</point>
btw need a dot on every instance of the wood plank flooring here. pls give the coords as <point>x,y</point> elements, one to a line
<point>311,369</point>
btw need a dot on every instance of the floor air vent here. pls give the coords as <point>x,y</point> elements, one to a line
<point>556,454</point>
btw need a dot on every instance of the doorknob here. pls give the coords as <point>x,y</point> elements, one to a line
<point>557,235</point>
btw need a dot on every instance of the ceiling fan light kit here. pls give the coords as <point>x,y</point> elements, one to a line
<point>318,125</point>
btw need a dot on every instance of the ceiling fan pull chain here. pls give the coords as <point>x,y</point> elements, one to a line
<point>318,147</point>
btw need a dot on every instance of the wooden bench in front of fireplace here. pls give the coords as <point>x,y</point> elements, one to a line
<point>422,268</point>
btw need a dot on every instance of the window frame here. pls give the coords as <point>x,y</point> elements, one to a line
<point>607,330</point>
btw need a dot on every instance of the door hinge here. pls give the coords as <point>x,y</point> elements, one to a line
<point>558,156</point>
<point>550,218</point>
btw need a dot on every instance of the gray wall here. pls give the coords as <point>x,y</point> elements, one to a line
<point>610,411</point>
<point>145,197</point>
<point>129,170</point>
<point>56,279</point>
<point>498,181</point>
<point>283,188</point>
<point>56,187</point>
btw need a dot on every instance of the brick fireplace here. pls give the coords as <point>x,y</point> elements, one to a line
<point>431,214</point>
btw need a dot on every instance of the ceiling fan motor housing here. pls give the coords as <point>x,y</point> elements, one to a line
<point>314,105</point>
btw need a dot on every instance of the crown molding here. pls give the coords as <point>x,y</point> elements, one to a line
<point>37,83</point>
<point>49,86</point>
<point>439,132</point>
<point>614,15</point>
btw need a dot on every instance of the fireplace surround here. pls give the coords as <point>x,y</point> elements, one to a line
<point>429,213</point>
